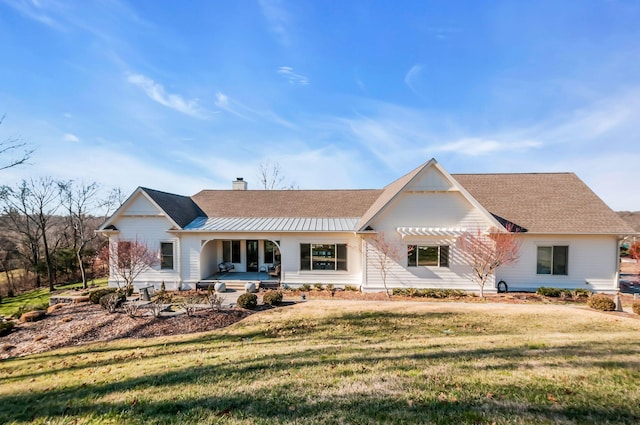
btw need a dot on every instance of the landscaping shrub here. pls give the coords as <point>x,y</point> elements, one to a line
<point>112,301</point>
<point>190,305</point>
<point>131,308</point>
<point>548,292</point>
<point>248,300</point>
<point>318,286</point>
<point>94,296</point>
<point>215,301</point>
<point>350,288</point>
<point>601,302</point>
<point>272,297</point>
<point>581,293</point>
<point>636,307</point>
<point>429,293</point>
<point>305,287</point>
<point>5,327</point>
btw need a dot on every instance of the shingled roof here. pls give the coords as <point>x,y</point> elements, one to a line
<point>182,209</point>
<point>554,203</point>
<point>286,203</point>
<point>544,202</point>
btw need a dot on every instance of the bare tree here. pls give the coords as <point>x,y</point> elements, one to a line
<point>114,200</point>
<point>19,224</point>
<point>15,148</point>
<point>127,259</point>
<point>270,177</point>
<point>485,252</point>
<point>385,254</point>
<point>80,199</point>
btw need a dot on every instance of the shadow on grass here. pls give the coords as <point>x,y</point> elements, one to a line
<point>239,362</point>
<point>284,403</point>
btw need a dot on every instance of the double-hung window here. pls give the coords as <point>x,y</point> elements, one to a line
<point>425,255</point>
<point>323,256</point>
<point>553,260</point>
<point>166,255</point>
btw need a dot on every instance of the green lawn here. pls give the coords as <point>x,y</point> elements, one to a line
<point>9,306</point>
<point>345,362</point>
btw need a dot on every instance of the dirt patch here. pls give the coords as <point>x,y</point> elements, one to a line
<point>76,324</point>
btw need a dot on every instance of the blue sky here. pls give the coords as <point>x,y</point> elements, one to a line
<point>181,96</point>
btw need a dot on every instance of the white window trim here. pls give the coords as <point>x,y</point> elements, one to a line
<point>547,244</point>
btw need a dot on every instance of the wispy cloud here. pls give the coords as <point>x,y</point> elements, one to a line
<point>292,77</point>
<point>476,146</point>
<point>35,10</point>
<point>411,79</point>
<point>278,19</point>
<point>69,137</point>
<point>226,104</point>
<point>156,92</point>
<point>233,106</point>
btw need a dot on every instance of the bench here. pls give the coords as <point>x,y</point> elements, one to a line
<point>146,292</point>
<point>225,267</point>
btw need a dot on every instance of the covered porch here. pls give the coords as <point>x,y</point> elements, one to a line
<point>237,280</point>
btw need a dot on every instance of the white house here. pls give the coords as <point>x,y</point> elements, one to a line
<point>570,238</point>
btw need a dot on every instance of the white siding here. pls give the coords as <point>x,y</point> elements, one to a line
<point>456,276</point>
<point>141,206</point>
<point>151,231</point>
<point>291,273</point>
<point>426,209</point>
<point>439,209</point>
<point>430,180</point>
<point>592,259</point>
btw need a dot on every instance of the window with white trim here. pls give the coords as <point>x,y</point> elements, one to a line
<point>426,255</point>
<point>166,255</point>
<point>553,260</point>
<point>323,256</point>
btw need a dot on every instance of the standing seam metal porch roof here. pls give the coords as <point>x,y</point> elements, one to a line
<point>273,224</point>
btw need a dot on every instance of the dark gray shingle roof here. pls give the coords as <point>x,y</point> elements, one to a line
<point>182,209</point>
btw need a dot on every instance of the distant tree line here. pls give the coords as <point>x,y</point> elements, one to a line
<point>47,232</point>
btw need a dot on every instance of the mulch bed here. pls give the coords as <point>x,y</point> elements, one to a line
<point>76,324</point>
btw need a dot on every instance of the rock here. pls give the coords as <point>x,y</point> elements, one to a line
<point>250,287</point>
<point>81,299</point>
<point>32,316</point>
<point>54,307</point>
<point>220,287</point>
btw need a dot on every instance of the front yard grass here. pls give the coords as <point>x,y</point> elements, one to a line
<point>39,296</point>
<point>348,363</point>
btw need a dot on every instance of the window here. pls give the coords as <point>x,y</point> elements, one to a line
<point>166,255</point>
<point>124,254</point>
<point>323,256</point>
<point>553,260</point>
<point>271,252</point>
<point>436,256</point>
<point>231,251</point>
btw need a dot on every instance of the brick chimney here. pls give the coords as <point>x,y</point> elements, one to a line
<point>239,184</point>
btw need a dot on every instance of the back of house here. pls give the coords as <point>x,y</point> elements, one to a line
<point>568,237</point>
